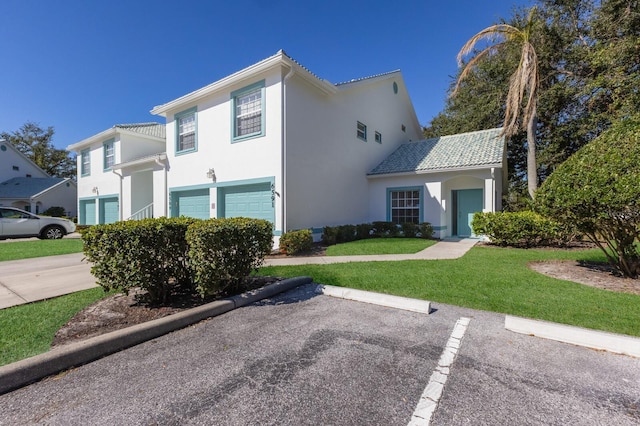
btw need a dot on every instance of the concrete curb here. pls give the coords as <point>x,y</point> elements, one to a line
<point>405,303</point>
<point>594,339</point>
<point>24,372</point>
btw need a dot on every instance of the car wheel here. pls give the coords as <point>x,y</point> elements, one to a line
<point>53,233</point>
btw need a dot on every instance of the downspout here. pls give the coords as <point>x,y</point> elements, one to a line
<point>166,189</point>
<point>120,201</point>
<point>493,189</point>
<point>283,115</point>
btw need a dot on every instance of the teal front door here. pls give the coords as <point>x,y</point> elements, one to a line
<point>467,202</point>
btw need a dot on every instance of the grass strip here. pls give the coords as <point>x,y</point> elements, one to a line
<point>380,246</point>
<point>490,279</point>
<point>28,330</point>
<point>15,250</point>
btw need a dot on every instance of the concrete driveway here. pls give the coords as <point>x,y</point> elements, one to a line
<point>307,359</point>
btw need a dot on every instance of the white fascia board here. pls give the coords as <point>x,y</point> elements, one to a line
<point>143,160</point>
<point>109,133</point>
<point>92,139</point>
<point>276,60</point>
<point>17,151</point>
<point>368,80</point>
<point>431,171</point>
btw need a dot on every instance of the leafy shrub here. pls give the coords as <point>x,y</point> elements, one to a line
<point>329,235</point>
<point>385,229</point>
<point>518,229</point>
<point>426,230</point>
<point>597,189</point>
<point>56,211</point>
<point>294,242</point>
<point>410,230</point>
<point>222,252</point>
<point>149,254</point>
<point>364,231</point>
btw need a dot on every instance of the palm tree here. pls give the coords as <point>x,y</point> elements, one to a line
<point>523,83</point>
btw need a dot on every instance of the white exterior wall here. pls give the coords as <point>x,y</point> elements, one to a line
<point>63,196</point>
<point>249,159</point>
<point>105,181</point>
<point>132,147</point>
<point>327,163</point>
<point>10,158</point>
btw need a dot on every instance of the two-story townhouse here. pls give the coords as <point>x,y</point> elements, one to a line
<point>274,141</point>
<point>26,186</point>
<point>118,170</point>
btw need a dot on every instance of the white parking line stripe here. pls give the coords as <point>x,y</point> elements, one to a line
<point>429,400</point>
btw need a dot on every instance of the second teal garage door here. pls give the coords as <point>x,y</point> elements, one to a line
<point>190,203</point>
<point>109,211</point>
<point>252,201</point>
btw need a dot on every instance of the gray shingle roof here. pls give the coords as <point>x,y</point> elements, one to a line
<point>24,187</point>
<point>474,149</point>
<point>149,129</point>
<point>357,80</point>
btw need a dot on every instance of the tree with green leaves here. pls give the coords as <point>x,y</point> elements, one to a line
<point>523,84</point>
<point>597,190</point>
<point>37,144</point>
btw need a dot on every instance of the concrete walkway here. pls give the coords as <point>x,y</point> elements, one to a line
<point>30,280</point>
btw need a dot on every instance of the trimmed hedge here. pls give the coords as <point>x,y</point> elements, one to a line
<point>164,254</point>
<point>222,252</point>
<point>520,229</point>
<point>345,233</point>
<point>294,242</point>
<point>149,254</point>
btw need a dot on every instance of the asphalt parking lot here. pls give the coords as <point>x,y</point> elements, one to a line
<point>302,359</point>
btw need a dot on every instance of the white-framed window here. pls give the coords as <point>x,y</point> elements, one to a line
<point>404,205</point>
<point>248,112</point>
<point>378,137</point>
<point>186,127</point>
<point>109,154</point>
<point>85,162</point>
<point>361,131</point>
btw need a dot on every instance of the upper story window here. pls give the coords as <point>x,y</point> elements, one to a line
<point>85,162</point>
<point>186,127</point>
<point>16,168</point>
<point>109,154</point>
<point>378,137</point>
<point>361,131</point>
<point>248,111</point>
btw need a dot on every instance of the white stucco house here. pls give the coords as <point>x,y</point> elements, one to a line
<point>26,186</point>
<point>275,141</point>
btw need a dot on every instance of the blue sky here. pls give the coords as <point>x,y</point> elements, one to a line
<point>82,66</point>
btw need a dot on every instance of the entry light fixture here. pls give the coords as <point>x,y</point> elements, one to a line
<point>211,174</point>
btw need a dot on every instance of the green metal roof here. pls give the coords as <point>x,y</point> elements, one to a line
<point>464,150</point>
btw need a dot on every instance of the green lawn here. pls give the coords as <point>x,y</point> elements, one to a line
<point>380,246</point>
<point>490,279</point>
<point>38,248</point>
<point>28,330</point>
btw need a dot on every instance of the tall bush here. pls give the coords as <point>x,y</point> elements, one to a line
<point>598,189</point>
<point>222,252</point>
<point>149,254</point>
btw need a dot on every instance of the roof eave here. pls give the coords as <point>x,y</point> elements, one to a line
<point>431,171</point>
<point>93,139</point>
<point>149,159</point>
<point>271,62</point>
<point>51,188</point>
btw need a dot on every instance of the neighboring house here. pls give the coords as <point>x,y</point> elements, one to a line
<point>121,172</point>
<point>26,186</point>
<point>274,141</point>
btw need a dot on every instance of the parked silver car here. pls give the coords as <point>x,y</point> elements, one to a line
<point>16,223</point>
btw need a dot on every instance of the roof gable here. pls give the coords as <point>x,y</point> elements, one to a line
<point>23,187</point>
<point>152,131</point>
<point>453,152</point>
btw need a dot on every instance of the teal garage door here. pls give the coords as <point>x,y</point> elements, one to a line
<point>87,212</point>
<point>252,201</point>
<point>109,210</point>
<point>191,203</point>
